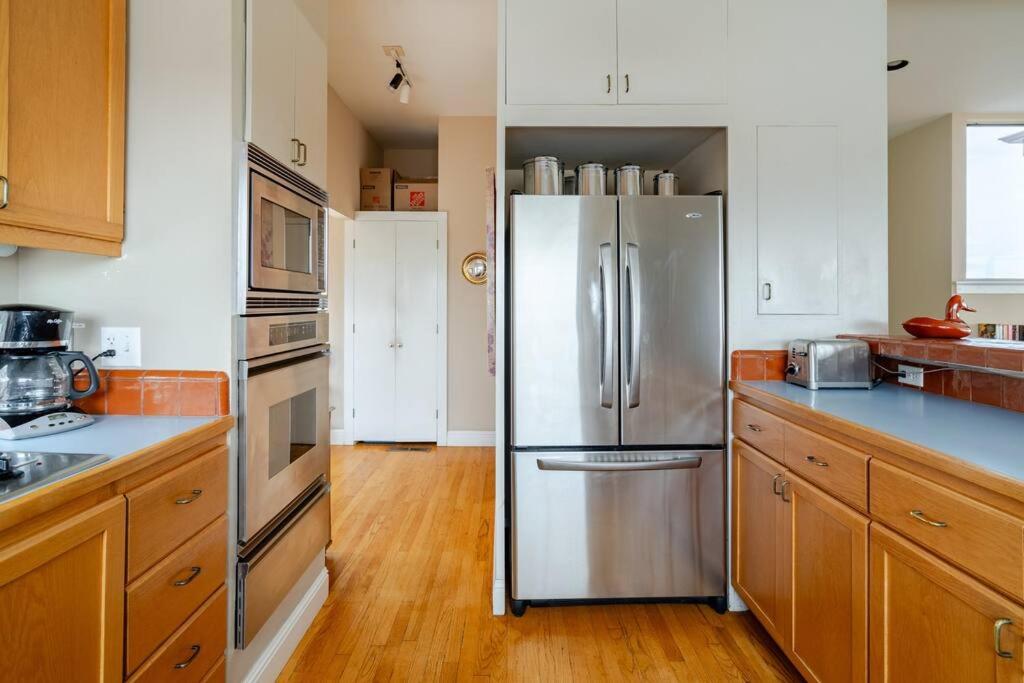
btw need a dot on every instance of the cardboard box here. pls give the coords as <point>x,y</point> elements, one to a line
<point>416,194</point>
<point>375,189</point>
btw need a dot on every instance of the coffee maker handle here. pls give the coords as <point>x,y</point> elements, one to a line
<point>69,357</point>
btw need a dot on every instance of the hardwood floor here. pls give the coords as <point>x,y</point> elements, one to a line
<point>410,595</point>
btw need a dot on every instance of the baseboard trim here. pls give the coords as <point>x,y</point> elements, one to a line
<point>274,658</point>
<point>338,437</point>
<point>470,438</point>
<point>498,598</point>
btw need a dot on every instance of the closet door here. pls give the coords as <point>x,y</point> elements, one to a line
<point>374,337</point>
<point>416,331</point>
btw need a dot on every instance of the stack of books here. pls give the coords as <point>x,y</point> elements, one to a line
<point>1005,331</point>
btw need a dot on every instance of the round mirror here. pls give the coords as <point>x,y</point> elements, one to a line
<point>474,268</point>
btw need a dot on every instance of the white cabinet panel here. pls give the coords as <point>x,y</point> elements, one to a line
<point>416,331</point>
<point>672,51</point>
<point>560,52</point>
<point>272,77</point>
<point>374,338</point>
<point>798,180</point>
<point>311,89</point>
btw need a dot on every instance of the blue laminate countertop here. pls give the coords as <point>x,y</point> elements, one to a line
<point>112,435</point>
<point>983,436</point>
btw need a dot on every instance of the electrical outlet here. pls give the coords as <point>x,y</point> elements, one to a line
<point>911,375</point>
<point>127,342</point>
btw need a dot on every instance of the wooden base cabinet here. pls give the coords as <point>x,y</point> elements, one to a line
<point>62,599</point>
<point>932,622</point>
<point>800,562</point>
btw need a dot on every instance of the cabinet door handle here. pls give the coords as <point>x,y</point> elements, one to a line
<point>295,150</point>
<point>775,479</point>
<point>920,516</point>
<point>302,154</point>
<point>814,461</point>
<point>998,636</point>
<point>782,493</point>
<point>755,428</point>
<point>627,82</point>
<point>766,291</point>
<point>609,78</point>
<point>195,653</point>
<point>193,573</point>
<point>189,499</point>
<point>6,191</point>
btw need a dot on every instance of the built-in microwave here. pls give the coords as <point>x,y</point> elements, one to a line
<point>287,232</point>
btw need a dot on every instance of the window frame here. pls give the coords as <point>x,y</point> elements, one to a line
<point>963,284</point>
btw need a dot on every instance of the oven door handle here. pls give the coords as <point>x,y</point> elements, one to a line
<point>257,366</point>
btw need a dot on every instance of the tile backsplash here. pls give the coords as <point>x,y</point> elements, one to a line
<point>157,392</point>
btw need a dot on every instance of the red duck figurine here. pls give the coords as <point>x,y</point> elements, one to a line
<point>950,328</point>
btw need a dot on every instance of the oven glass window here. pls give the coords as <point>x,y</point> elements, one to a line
<point>285,238</point>
<point>292,430</point>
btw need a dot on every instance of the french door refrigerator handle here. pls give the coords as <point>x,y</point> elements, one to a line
<point>606,382</point>
<point>632,324</point>
<point>688,462</point>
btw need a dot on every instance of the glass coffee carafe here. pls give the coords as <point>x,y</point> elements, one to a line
<point>35,382</point>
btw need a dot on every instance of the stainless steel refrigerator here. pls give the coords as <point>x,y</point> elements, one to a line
<point>617,398</point>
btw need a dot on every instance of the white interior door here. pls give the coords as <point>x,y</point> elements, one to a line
<point>560,52</point>
<point>672,51</point>
<point>374,334</point>
<point>416,331</point>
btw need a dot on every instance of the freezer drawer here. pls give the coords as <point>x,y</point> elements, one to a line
<point>601,525</point>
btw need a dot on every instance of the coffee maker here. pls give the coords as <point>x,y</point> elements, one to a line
<point>37,372</point>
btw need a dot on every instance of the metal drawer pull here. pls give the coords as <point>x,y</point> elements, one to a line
<point>919,516</point>
<point>609,77</point>
<point>195,653</point>
<point>754,428</point>
<point>195,571</point>
<point>814,461</point>
<point>785,487</point>
<point>775,479</point>
<point>997,634</point>
<point>689,462</point>
<point>5,193</point>
<point>185,501</point>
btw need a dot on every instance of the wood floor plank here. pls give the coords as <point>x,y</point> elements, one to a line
<point>410,596</point>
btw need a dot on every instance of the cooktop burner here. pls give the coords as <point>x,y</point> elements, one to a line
<point>21,472</point>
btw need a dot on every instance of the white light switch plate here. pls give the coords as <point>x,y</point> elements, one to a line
<point>127,342</point>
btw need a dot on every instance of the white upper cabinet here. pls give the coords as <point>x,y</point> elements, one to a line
<point>560,52</point>
<point>672,51</point>
<point>311,89</point>
<point>616,51</point>
<point>287,106</point>
<point>798,219</point>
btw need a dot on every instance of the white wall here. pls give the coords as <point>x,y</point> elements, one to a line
<point>705,169</point>
<point>175,277</point>
<point>412,163</point>
<point>9,279</point>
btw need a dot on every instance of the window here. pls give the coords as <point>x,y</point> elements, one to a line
<point>995,202</point>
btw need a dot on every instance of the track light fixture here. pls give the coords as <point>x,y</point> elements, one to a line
<point>400,83</point>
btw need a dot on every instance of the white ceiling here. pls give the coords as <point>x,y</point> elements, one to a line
<point>965,56</point>
<point>450,57</point>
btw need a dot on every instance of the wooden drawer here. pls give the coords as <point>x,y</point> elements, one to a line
<point>162,598</point>
<point>173,507</point>
<point>760,429</point>
<point>194,649</point>
<point>838,469</point>
<point>986,542</point>
<point>216,674</point>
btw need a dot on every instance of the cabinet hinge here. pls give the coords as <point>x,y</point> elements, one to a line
<point>437,329</point>
<point>437,414</point>
<point>437,244</point>
<point>353,412</point>
<point>353,328</point>
<point>353,244</point>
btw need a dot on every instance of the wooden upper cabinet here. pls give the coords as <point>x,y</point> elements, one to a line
<point>62,599</point>
<point>672,51</point>
<point>287,65</point>
<point>758,529</point>
<point>560,52</point>
<point>826,561</point>
<point>62,124</point>
<point>932,622</point>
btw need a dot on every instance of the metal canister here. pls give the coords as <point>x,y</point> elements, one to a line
<point>591,179</point>
<point>666,184</point>
<point>629,180</point>
<point>543,175</point>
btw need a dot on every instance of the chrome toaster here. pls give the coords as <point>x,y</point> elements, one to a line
<point>829,364</point>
